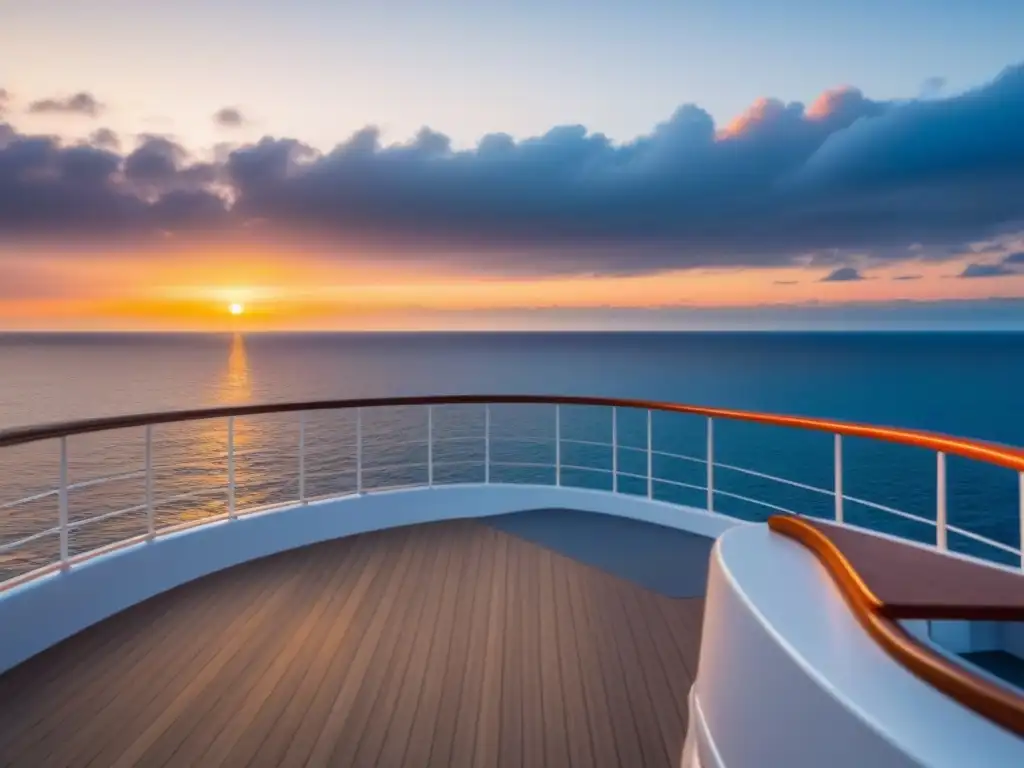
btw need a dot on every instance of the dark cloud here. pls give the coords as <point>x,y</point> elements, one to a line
<point>89,191</point>
<point>1007,266</point>
<point>907,277</point>
<point>842,275</point>
<point>782,184</point>
<point>105,138</point>
<point>82,103</point>
<point>155,161</point>
<point>986,270</point>
<point>229,117</point>
<point>7,135</point>
<point>847,172</point>
<point>86,166</point>
<point>161,165</point>
<point>261,169</point>
<point>188,207</point>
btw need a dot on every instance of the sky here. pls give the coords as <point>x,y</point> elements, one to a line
<point>468,165</point>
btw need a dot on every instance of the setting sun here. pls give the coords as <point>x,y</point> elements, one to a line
<point>236,309</point>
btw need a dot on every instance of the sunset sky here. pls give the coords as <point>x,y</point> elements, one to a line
<point>467,165</point>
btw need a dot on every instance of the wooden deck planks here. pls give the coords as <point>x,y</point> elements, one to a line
<point>378,719</point>
<point>246,727</point>
<point>442,644</point>
<point>471,697</point>
<point>510,751</point>
<point>454,680</point>
<point>486,746</point>
<point>578,712</point>
<point>109,647</point>
<point>427,718</point>
<point>555,700</point>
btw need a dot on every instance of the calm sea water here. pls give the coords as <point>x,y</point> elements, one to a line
<point>965,384</point>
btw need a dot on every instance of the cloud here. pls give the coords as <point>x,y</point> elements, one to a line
<point>160,165</point>
<point>82,103</point>
<point>5,99</point>
<point>1006,267</point>
<point>981,248</point>
<point>229,117</point>
<point>785,282</point>
<point>105,139</point>
<point>842,275</point>
<point>907,277</point>
<point>932,87</point>
<point>155,161</point>
<point>780,180</point>
<point>986,270</point>
<point>92,192</point>
<point>783,184</point>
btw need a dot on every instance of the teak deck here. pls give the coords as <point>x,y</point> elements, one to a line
<point>442,644</point>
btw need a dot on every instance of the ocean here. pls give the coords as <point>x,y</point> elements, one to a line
<point>965,384</point>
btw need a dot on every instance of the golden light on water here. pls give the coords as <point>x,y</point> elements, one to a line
<point>236,308</point>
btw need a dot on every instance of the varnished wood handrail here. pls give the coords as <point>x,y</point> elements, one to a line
<point>1012,458</point>
<point>993,701</point>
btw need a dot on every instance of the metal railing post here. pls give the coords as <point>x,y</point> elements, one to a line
<point>231,467</point>
<point>615,449</point>
<point>940,500</point>
<point>150,511</point>
<point>430,446</point>
<point>63,498</point>
<point>359,450</point>
<point>558,445</point>
<point>839,477</point>
<point>302,457</point>
<point>711,464</point>
<point>650,456</point>
<point>487,443</point>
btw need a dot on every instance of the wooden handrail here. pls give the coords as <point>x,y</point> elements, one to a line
<point>1012,458</point>
<point>997,703</point>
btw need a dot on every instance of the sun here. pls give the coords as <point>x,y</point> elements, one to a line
<point>236,309</point>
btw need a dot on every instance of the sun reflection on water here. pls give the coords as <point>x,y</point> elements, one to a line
<point>211,443</point>
<point>236,387</point>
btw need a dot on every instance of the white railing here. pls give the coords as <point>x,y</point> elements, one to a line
<point>648,480</point>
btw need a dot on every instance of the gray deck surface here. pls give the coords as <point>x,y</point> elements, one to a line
<point>667,560</point>
<point>442,644</point>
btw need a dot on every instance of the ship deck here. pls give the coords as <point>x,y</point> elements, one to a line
<point>456,643</point>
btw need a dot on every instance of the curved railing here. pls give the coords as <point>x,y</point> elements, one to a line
<point>990,699</point>
<point>638,446</point>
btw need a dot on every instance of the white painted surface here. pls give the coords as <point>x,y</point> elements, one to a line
<point>42,612</point>
<point>788,677</point>
<point>699,749</point>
